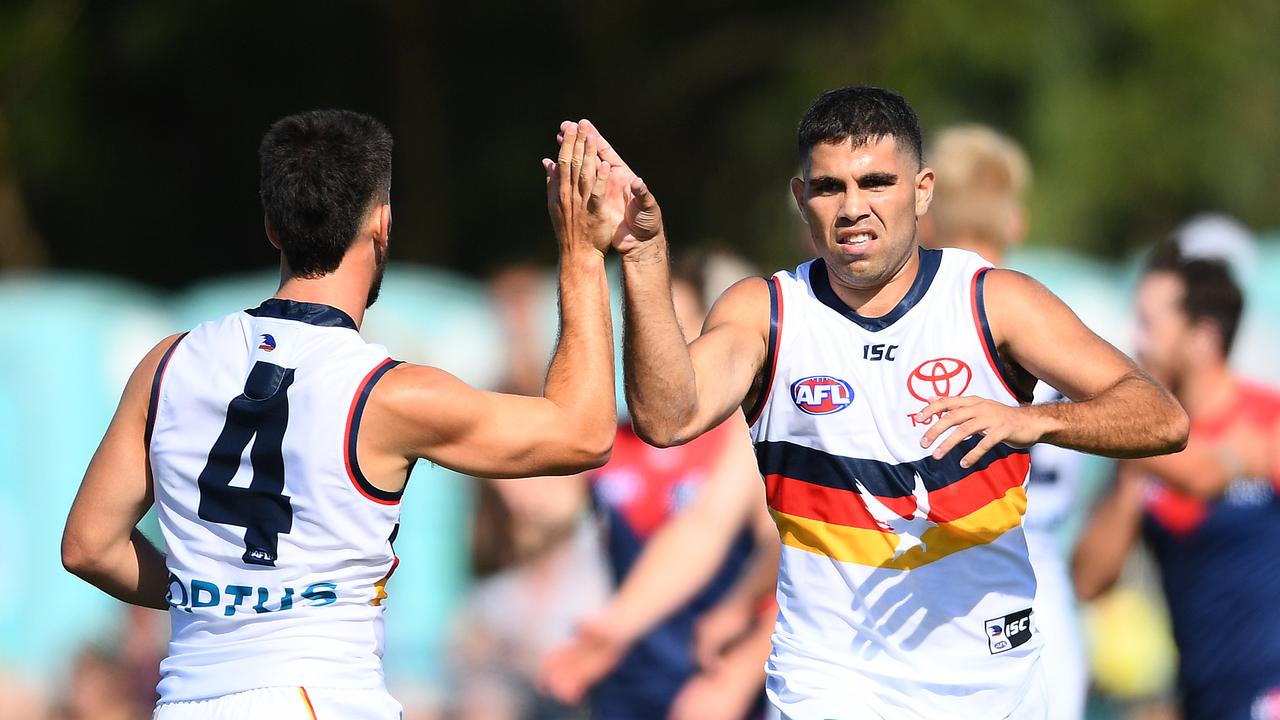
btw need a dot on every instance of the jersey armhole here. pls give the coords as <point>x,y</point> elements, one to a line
<point>153,403</point>
<point>771,357</point>
<point>358,402</point>
<point>1001,368</point>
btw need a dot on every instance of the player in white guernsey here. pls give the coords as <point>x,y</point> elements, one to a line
<point>978,205</point>
<point>275,442</point>
<point>887,388</point>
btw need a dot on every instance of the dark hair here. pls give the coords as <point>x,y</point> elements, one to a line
<point>321,172</point>
<point>862,114</point>
<point>1208,290</point>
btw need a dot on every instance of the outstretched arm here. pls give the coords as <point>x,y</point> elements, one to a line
<point>101,542</point>
<point>1116,409</point>
<point>425,412</point>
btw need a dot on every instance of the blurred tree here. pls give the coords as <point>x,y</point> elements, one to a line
<point>134,124</point>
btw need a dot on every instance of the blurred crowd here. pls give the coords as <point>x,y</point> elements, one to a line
<point>644,585</point>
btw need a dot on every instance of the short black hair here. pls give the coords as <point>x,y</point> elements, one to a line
<point>862,114</point>
<point>321,171</point>
<point>1209,292</point>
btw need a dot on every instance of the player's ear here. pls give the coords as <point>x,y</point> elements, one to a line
<point>271,233</point>
<point>924,190</point>
<point>797,192</point>
<point>384,223</point>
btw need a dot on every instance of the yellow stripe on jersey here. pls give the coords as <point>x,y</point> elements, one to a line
<point>878,549</point>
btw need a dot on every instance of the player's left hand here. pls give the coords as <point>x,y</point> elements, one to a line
<point>995,422</point>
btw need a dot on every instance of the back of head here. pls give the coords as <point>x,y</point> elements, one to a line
<point>861,114</point>
<point>981,179</point>
<point>1209,292</point>
<point>321,172</point>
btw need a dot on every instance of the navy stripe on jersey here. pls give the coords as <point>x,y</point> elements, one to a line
<point>353,431</point>
<point>771,357</point>
<point>309,313</point>
<point>882,479</point>
<point>1011,382</point>
<point>154,403</point>
<point>930,260</point>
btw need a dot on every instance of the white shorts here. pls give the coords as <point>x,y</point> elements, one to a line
<point>287,703</point>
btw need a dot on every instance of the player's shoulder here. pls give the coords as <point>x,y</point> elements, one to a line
<point>408,386</point>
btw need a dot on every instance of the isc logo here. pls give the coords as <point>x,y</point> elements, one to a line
<point>821,394</point>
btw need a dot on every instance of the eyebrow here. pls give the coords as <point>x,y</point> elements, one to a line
<point>877,179</point>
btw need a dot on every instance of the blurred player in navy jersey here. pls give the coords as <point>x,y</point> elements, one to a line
<point>1211,514</point>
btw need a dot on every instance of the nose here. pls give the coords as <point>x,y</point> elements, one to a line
<point>855,206</point>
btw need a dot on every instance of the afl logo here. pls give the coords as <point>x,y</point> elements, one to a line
<point>940,377</point>
<point>821,394</point>
<point>268,343</point>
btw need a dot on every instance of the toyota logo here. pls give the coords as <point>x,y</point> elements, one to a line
<point>940,377</point>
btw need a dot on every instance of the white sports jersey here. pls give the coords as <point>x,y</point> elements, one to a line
<point>904,588</point>
<point>278,548</point>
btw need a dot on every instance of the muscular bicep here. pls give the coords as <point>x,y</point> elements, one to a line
<point>424,412</point>
<point>728,357</point>
<point>1035,329</point>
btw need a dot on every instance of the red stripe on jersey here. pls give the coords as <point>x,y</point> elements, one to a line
<point>827,504</point>
<point>346,436</point>
<point>990,352</point>
<point>975,490</point>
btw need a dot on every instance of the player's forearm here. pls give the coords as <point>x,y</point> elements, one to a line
<point>1135,417</point>
<point>134,572</point>
<point>580,380</point>
<point>679,560</point>
<point>1104,546</point>
<point>660,382</point>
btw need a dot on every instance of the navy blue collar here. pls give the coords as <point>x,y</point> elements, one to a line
<point>821,284</point>
<point>309,313</point>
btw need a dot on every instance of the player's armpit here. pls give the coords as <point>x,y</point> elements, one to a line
<point>101,542</point>
<point>424,412</point>
<point>1117,409</point>
<point>675,399</point>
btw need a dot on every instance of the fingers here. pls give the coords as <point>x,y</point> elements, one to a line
<point>963,431</point>
<point>590,162</point>
<point>982,448</point>
<point>564,162</point>
<point>600,188</point>
<point>579,148</point>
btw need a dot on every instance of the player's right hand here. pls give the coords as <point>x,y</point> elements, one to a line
<point>569,671</point>
<point>585,197</point>
<point>719,628</point>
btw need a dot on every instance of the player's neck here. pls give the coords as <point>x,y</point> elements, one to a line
<point>1207,390</point>
<point>877,301</point>
<point>335,290</point>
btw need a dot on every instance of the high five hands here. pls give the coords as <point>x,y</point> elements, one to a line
<point>595,199</point>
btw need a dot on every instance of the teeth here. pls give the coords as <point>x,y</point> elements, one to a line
<point>858,239</point>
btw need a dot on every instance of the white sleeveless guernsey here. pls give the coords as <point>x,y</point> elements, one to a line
<point>278,547</point>
<point>904,588</point>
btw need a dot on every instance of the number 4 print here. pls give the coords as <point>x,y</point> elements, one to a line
<point>262,509</point>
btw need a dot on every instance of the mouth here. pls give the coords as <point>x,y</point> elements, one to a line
<point>855,239</point>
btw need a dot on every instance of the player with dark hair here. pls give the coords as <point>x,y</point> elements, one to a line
<point>275,442</point>
<point>887,388</point>
<point>1211,514</point>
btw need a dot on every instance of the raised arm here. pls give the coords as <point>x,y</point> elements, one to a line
<point>425,412</point>
<point>101,542</point>
<point>1116,409</point>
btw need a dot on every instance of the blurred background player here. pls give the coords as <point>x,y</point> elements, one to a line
<point>1211,514</point>
<point>979,204</point>
<point>275,589</point>
<point>695,557</point>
